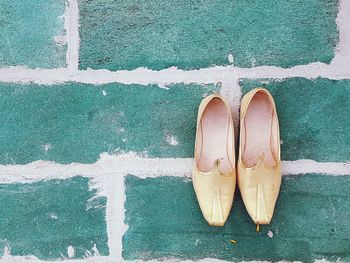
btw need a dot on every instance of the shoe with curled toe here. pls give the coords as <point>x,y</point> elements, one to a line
<point>259,162</point>
<point>214,175</point>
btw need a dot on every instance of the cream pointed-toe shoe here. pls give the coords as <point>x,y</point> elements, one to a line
<point>214,175</point>
<point>259,162</point>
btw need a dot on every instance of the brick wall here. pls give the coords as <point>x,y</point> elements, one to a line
<point>98,104</point>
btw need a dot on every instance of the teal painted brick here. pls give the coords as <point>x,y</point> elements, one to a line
<point>42,219</point>
<point>313,117</point>
<point>76,122</point>
<point>27,31</point>
<point>310,222</point>
<point>129,34</point>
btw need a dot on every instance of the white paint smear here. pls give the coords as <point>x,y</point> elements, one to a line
<point>172,140</point>
<point>70,251</point>
<point>230,58</point>
<point>47,147</point>
<point>95,250</point>
<point>53,216</point>
<point>270,234</point>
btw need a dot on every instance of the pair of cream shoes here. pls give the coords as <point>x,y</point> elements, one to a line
<point>258,166</point>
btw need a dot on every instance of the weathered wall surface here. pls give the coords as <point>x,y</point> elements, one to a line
<point>98,102</point>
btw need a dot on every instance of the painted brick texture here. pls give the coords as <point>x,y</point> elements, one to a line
<point>160,34</point>
<point>311,114</point>
<point>32,33</point>
<point>310,223</point>
<point>44,218</point>
<point>76,123</point>
<point>130,91</point>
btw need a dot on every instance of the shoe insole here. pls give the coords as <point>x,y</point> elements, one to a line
<point>258,131</point>
<point>217,137</point>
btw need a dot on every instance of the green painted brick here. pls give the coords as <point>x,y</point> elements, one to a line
<point>76,122</point>
<point>27,33</point>
<point>314,117</point>
<point>44,218</point>
<point>118,34</point>
<point>311,221</point>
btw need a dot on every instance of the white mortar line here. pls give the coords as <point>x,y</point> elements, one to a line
<point>39,76</point>
<point>206,260</point>
<point>310,166</point>
<point>213,260</point>
<point>23,259</point>
<point>140,76</point>
<point>342,55</point>
<point>72,31</point>
<point>115,215</point>
<point>26,259</point>
<point>144,76</point>
<point>232,92</point>
<point>131,163</point>
<point>163,77</point>
<point>313,70</point>
<point>122,164</point>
